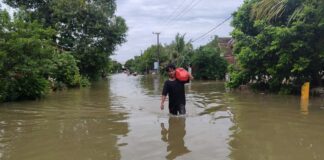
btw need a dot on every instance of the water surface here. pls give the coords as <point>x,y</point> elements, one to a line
<point>119,118</point>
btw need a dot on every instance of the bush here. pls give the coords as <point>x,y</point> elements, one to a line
<point>207,64</point>
<point>65,72</point>
<point>29,87</point>
<point>25,51</point>
<point>281,54</point>
<point>28,58</point>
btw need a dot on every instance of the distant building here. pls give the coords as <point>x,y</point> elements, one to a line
<point>226,46</point>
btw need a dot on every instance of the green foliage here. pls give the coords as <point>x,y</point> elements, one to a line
<point>25,52</point>
<point>281,10</point>
<point>115,67</point>
<point>207,63</point>
<point>238,77</point>
<point>129,64</point>
<point>179,51</point>
<point>65,72</point>
<point>144,63</point>
<point>278,55</point>
<point>29,59</point>
<point>64,69</point>
<point>30,87</point>
<point>78,37</point>
<point>89,30</point>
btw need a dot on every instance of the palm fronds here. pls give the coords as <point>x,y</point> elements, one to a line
<point>270,10</point>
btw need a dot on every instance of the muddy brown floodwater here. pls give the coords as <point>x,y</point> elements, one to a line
<point>119,118</point>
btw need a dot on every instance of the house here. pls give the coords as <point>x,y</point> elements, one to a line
<point>226,46</point>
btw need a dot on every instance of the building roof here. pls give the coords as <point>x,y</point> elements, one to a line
<point>226,46</point>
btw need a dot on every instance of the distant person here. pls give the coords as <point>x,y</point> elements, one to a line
<point>189,69</point>
<point>176,92</point>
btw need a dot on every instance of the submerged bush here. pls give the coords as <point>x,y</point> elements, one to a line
<point>26,52</point>
<point>207,64</point>
<point>29,87</point>
<point>29,60</point>
<point>65,72</point>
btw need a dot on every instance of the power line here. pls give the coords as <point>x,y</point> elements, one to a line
<point>218,25</point>
<point>175,11</point>
<point>186,8</point>
<point>183,10</point>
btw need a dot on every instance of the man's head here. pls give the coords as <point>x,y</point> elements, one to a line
<point>170,69</point>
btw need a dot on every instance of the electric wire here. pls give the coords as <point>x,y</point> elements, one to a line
<point>218,25</point>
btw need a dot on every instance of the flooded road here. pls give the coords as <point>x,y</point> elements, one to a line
<point>120,118</point>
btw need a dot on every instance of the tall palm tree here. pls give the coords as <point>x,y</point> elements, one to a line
<point>273,9</point>
<point>180,50</point>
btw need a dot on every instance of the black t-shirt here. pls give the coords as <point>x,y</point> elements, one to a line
<point>176,91</point>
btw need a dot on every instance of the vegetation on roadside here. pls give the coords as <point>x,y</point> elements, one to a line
<point>49,45</point>
<point>206,61</point>
<point>278,45</point>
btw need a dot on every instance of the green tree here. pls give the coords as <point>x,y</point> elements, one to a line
<point>30,63</point>
<point>207,63</point>
<point>25,56</point>
<point>206,60</point>
<point>90,30</point>
<point>271,10</point>
<point>115,67</point>
<point>130,65</point>
<point>64,71</point>
<point>145,62</point>
<point>179,51</point>
<point>280,54</point>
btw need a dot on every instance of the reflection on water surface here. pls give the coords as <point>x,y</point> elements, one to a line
<point>119,118</point>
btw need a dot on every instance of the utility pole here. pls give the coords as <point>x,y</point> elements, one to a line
<point>158,51</point>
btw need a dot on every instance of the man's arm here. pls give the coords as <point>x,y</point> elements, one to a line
<point>190,78</point>
<point>162,102</point>
<point>165,92</point>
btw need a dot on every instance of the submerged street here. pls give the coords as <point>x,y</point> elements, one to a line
<point>120,118</point>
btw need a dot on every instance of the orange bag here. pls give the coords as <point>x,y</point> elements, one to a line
<point>181,74</point>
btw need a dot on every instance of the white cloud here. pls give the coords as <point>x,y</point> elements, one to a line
<point>146,16</point>
<point>10,10</point>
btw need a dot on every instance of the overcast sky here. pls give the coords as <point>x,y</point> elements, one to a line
<point>190,17</point>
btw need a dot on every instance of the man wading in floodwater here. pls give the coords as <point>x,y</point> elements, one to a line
<point>176,91</point>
